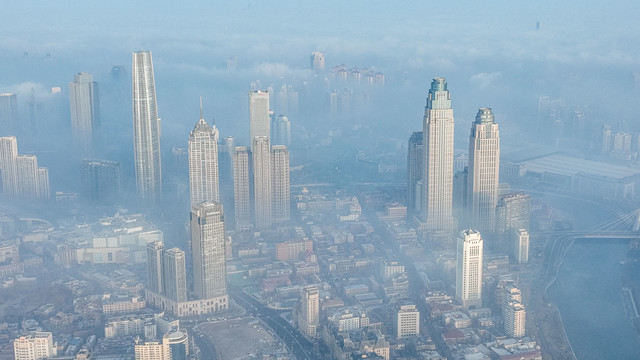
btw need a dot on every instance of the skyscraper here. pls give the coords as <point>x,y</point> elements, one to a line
<point>415,165</point>
<point>484,170</point>
<point>280,130</point>
<point>8,114</point>
<point>242,187</point>
<point>515,320</point>
<point>21,176</point>
<point>317,61</point>
<point>8,164</point>
<point>259,120</point>
<point>520,246</point>
<point>437,180</point>
<point>513,212</point>
<point>203,162</point>
<point>469,269</point>
<point>174,273</point>
<point>208,249</point>
<point>155,267</point>
<point>85,109</point>
<point>146,130</point>
<point>280,187</point>
<point>101,180</point>
<point>309,315</point>
<point>261,152</point>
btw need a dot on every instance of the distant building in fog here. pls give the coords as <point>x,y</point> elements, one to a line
<point>242,180</point>
<point>8,114</point>
<point>84,104</point>
<point>21,176</point>
<point>101,180</point>
<point>261,156</point>
<point>521,246</point>
<point>317,61</point>
<point>280,131</point>
<point>203,163</point>
<point>513,212</point>
<point>259,119</point>
<point>414,171</point>
<point>280,184</point>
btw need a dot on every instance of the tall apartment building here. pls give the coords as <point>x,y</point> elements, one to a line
<point>261,152</point>
<point>515,320</point>
<point>317,61</point>
<point>203,163</point>
<point>242,187</point>
<point>510,294</point>
<point>408,321</point>
<point>309,314</point>
<point>101,180</point>
<point>280,184</point>
<point>259,119</point>
<point>174,275</point>
<point>513,212</point>
<point>520,253</point>
<point>484,171</point>
<point>437,180</point>
<point>21,176</point>
<point>208,250</point>
<point>34,346</point>
<point>146,130</point>
<point>415,165</point>
<point>280,130</point>
<point>155,252</point>
<point>84,104</point>
<point>8,114</point>
<point>469,269</point>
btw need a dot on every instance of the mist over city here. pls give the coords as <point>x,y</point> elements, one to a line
<point>325,180</point>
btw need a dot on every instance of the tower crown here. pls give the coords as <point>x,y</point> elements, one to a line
<point>439,84</point>
<point>484,116</point>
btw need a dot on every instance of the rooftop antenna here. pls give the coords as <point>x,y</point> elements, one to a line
<point>201,115</point>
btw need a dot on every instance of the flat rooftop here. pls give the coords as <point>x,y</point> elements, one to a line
<point>570,166</point>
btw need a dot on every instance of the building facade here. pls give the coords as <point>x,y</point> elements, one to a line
<point>84,104</point>
<point>203,163</point>
<point>309,315</point>
<point>437,180</point>
<point>484,171</point>
<point>146,130</point>
<point>259,119</point>
<point>469,269</point>
<point>101,180</point>
<point>281,130</point>
<point>261,155</point>
<point>280,184</point>
<point>174,271</point>
<point>408,321</point>
<point>34,346</point>
<point>8,114</point>
<point>208,250</point>
<point>242,189</point>
<point>415,165</point>
<point>513,212</point>
<point>521,246</point>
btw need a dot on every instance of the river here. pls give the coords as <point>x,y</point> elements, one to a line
<point>588,293</point>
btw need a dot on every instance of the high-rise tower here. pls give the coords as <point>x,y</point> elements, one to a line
<point>280,187</point>
<point>308,317</point>
<point>85,109</point>
<point>203,162</point>
<point>484,170</point>
<point>261,152</point>
<point>242,187</point>
<point>9,165</point>
<point>469,269</point>
<point>146,130</point>
<point>280,130</point>
<point>8,114</point>
<point>155,258</point>
<point>259,119</point>
<point>208,249</point>
<point>174,275</point>
<point>437,180</point>
<point>415,165</point>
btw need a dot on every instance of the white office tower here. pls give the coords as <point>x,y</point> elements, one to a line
<point>208,250</point>
<point>317,61</point>
<point>484,170</point>
<point>515,319</point>
<point>259,119</point>
<point>8,114</point>
<point>261,152</point>
<point>280,130</point>
<point>242,187</point>
<point>415,165</point>
<point>152,350</point>
<point>34,346</point>
<point>174,272</point>
<point>521,246</point>
<point>408,321</point>
<point>85,109</point>
<point>280,187</point>
<point>437,180</point>
<point>203,163</point>
<point>469,269</point>
<point>309,315</point>
<point>9,165</point>
<point>155,251</point>
<point>146,130</point>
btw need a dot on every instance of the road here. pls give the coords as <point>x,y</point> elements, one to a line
<point>300,347</point>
